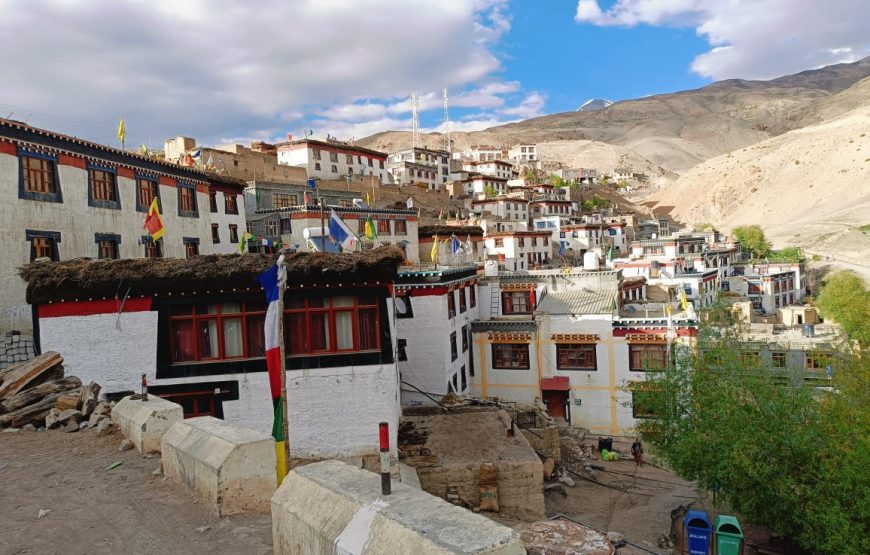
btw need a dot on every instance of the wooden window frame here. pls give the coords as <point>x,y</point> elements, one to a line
<point>463,304</point>
<point>215,234</point>
<point>108,246</point>
<point>103,187</point>
<point>577,356</point>
<point>191,246</point>
<point>511,299</point>
<point>464,338</point>
<point>454,348</point>
<point>307,311</point>
<point>383,227</point>
<point>510,356</point>
<point>244,314</point>
<point>231,204</point>
<point>451,305</point>
<point>153,249</point>
<point>146,189</point>
<point>472,294</point>
<point>400,227</point>
<point>212,202</point>
<point>38,177</point>
<point>640,353</point>
<point>234,233</point>
<point>187,205</point>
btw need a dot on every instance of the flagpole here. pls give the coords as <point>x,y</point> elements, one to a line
<point>282,286</point>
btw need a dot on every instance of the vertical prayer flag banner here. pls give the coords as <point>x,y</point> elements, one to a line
<point>243,243</point>
<point>455,245</point>
<point>371,231</point>
<point>269,281</point>
<point>433,255</point>
<point>561,248</point>
<point>122,131</point>
<point>153,222</point>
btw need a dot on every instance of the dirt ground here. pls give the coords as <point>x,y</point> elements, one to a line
<point>94,510</point>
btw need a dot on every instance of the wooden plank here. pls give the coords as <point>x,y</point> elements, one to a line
<point>31,414</point>
<point>37,393</point>
<point>28,373</point>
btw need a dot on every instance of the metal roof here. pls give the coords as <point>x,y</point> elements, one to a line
<point>579,302</point>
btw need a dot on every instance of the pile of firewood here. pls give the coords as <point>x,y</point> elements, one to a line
<point>36,394</point>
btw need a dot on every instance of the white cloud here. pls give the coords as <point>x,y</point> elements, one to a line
<point>752,39</point>
<point>532,106</point>
<point>222,68</point>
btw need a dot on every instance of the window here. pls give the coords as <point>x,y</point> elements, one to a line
<point>146,191</point>
<point>316,153</point>
<point>249,227</point>
<point>272,228</point>
<point>384,227</point>
<point>453,350</point>
<point>153,249</point>
<point>750,359</point>
<point>464,338</point>
<point>231,205</point>
<point>401,349</point>
<point>215,234</point>
<point>462,305</point>
<point>472,293</point>
<point>333,157</point>
<point>191,246</point>
<point>107,245</point>
<point>103,188</point>
<point>215,331</point>
<point>818,361</point>
<point>517,302</point>
<point>38,178</point>
<point>451,305</point>
<point>284,200</point>
<point>510,356</point>
<point>234,233</point>
<point>43,244</point>
<point>647,357</point>
<point>326,325</point>
<point>576,356</point>
<point>333,168</point>
<point>464,379</point>
<point>499,242</point>
<point>643,403</point>
<point>187,201</point>
<point>401,227</point>
<point>286,224</point>
<point>778,359</point>
<point>212,201</point>
<point>317,166</point>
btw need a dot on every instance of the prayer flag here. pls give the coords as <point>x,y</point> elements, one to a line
<point>340,233</point>
<point>269,281</point>
<point>455,245</point>
<point>243,243</point>
<point>153,222</point>
<point>371,232</point>
<point>433,254</point>
<point>122,130</point>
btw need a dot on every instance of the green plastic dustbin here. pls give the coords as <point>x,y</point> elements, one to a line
<point>729,535</point>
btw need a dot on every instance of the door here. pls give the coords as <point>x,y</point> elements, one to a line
<point>556,401</point>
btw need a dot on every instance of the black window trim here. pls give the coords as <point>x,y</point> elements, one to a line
<point>96,203</point>
<point>113,237</point>
<point>187,213</point>
<point>156,181</point>
<point>146,239</point>
<point>23,194</point>
<point>31,234</point>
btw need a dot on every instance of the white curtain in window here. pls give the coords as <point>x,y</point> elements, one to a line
<point>344,329</point>
<point>233,337</point>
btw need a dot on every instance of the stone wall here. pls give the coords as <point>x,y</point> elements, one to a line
<point>15,348</point>
<point>544,440</point>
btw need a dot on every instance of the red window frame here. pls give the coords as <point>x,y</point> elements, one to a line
<point>102,185</point>
<point>146,189</point>
<point>644,355</point>
<point>187,199</point>
<point>384,227</point>
<point>107,249</point>
<point>401,227</point>
<point>302,325</point>
<point>510,356</point>
<point>517,302</point>
<point>250,312</point>
<point>153,249</point>
<point>39,175</point>
<point>576,356</point>
<point>191,249</point>
<point>230,204</point>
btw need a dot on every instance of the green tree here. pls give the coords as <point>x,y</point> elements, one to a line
<point>490,191</point>
<point>846,300</point>
<point>752,238</point>
<point>557,181</point>
<point>790,457</point>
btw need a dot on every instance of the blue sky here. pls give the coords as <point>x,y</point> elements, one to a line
<point>235,71</point>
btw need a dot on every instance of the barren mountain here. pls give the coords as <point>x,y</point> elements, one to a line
<point>807,187</point>
<point>679,130</point>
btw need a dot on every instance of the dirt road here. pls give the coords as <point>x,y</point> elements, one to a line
<point>94,510</point>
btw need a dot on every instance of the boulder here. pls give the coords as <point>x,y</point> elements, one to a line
<point>89,396</point>
<point>68,401</point>
<point>70,416</point>
<point>51,420</point>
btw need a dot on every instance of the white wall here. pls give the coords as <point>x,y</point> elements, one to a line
<point>331,411</point>
<point>224,220</point>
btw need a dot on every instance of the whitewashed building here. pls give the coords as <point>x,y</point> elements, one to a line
<point>519,250</point>
<point>64,198</point>
<point>522,153</point>
<point>333,160</point>
<point>420,165</point>
<point>495,168</point>
<point>506,208</point>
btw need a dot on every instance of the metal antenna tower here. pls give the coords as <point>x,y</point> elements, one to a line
<point>446,124</point>
<point>415,120</point>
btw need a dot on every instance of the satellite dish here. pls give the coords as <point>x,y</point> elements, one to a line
<point>401,307</point>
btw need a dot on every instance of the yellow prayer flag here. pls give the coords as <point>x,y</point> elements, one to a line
<point>434,254</point>
<point>122,130</point>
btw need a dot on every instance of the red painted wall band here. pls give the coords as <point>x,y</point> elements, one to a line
<point>89,308</point>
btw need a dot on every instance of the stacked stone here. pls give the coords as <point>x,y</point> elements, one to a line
<point>15,348</point>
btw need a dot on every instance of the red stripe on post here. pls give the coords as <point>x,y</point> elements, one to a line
<point>384,431</point>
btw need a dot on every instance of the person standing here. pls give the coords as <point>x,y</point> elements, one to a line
<point>637,452</point>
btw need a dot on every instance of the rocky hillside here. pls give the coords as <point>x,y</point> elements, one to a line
<point>679,130</point>
<point>807,187</point>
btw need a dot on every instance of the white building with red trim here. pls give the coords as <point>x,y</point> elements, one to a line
<point>65,198</point>
<point>494,168</point>
<point>420,165</point>
<point>519,250</point>
<point>333,160</point>
<point>505,208</point>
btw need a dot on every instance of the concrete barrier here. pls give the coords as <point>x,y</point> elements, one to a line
<point>145,422</point>
<point>231,468</point>
<point>331,507</point>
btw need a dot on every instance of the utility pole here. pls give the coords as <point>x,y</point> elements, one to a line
<point>447,145</point>
<point>415,120</point>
